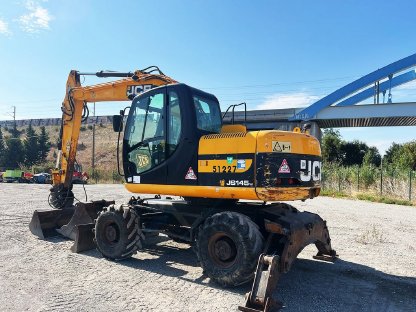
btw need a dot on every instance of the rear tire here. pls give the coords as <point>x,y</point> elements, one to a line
<point>117,232</point>
<point>228,246</point>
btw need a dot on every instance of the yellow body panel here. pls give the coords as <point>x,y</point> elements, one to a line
<point>228,143</point>
<point>250,193</point>
<point>301,143</point>
<point>257,142</point>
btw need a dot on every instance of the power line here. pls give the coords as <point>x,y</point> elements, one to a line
<point>281,83</point>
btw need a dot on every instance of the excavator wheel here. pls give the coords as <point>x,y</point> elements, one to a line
<point>228,245</point>
<point>117,232</point>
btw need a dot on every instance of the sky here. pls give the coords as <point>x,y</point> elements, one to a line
<point>269,54</point>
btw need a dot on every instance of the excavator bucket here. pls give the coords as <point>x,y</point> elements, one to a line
<point>45,222</point>
<point>75,223</point>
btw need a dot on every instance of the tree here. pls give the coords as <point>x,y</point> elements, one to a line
<point>372,157</point>
<point>43,144</point>
<point>2,150</point>
<point>14,132</point>
<point>14,155</point>
<point>393,154</point>
<point>407,158</point>
<point>31,147</point>
<point>353,152</point>
<point>331,146</point>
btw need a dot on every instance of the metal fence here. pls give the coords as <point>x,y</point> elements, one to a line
<point>389,182</point>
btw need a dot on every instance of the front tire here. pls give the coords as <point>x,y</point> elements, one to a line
<point>228,246</point>
<point>117,232</point>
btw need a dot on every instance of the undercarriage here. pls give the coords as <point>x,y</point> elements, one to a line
<point>234,241</point>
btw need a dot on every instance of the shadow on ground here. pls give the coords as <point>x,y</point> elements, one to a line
<point>310,285</point>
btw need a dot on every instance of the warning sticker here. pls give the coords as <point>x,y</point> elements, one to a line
<point>190,174</point>
<point>281,147</point>
<point>284,167</point>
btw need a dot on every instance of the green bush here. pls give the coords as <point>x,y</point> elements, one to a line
<point>368,175</point>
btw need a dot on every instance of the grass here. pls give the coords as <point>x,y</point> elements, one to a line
<point>367,197</point>
<point>383,199</point>
<point>333,193</point>
<point>371,236</point>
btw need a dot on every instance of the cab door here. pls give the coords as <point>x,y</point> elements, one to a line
<point>144,145</point>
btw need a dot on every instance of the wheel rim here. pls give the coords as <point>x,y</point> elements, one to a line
<point>222,250</point>
<point>111,233</point>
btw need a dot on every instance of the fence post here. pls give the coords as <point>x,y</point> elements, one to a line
<point>381,181</point>
<point>410,185</point>
<point>339,182</point>
<point>358,178</point>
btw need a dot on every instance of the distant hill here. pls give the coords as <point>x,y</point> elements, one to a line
<point>55,121</point>
<point>105,140</point>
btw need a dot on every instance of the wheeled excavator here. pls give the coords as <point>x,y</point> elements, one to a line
<point>228,184</point>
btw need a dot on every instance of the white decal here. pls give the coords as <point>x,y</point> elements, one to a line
<point>303,164</point>
<point>135,90</point>
<point>136,179</point>
<point>314,171</point>
<point>238,183</point>
<point>281,147</point>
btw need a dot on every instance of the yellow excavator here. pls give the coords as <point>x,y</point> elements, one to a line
<point>229,183</point>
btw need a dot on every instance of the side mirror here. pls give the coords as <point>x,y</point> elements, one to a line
<point>117,123</point>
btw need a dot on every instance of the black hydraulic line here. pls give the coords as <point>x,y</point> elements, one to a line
<point>233,108</point>
<point>106,74</point>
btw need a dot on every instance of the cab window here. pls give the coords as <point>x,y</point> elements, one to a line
<point>174,122</point>
<point>208,114</point>
<point>146,133</point>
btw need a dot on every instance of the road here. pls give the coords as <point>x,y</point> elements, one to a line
<point>376,270</point>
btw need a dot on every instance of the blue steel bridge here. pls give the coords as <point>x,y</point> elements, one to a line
<point>344,108</point>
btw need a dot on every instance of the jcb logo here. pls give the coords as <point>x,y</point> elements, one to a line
<point>142,160</point>
<point>135,90</point>
<point>313,170</point>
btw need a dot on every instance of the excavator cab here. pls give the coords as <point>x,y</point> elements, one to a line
<point>162,132</point>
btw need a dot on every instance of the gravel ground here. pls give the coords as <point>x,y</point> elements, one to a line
<point>376,270</point>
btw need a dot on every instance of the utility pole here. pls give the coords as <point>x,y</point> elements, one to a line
<point>93,147</point>
<point>13,114</point>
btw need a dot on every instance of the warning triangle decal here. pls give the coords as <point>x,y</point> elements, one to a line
<point>284,167</point>
<point>190,175</point>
